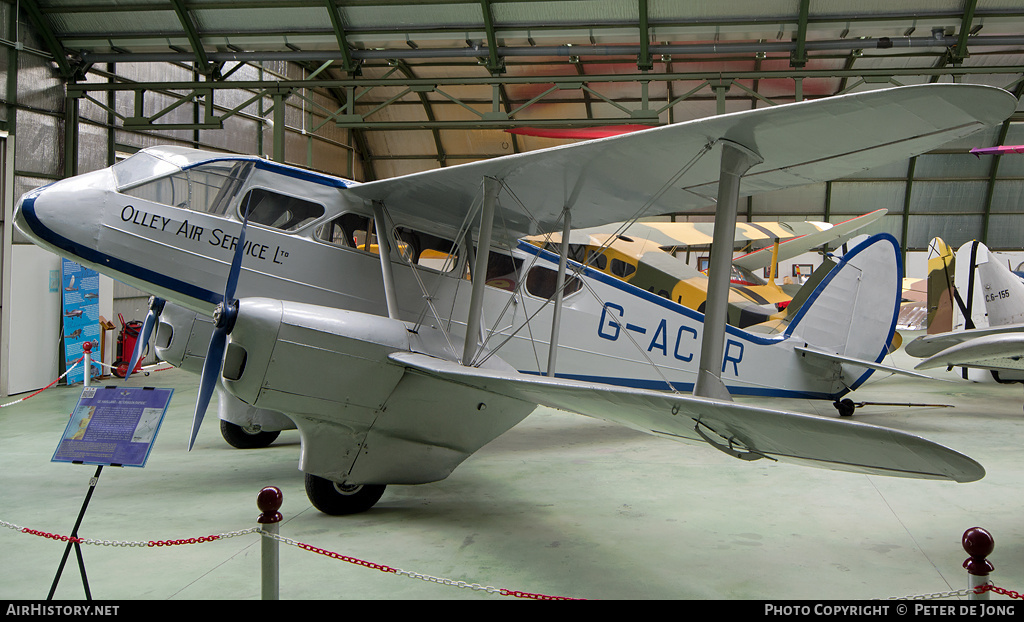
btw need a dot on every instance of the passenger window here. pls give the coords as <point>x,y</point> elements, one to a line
<point>279,210</point>
<point>347,230</point>
<point>541,282</point>
<point>426,250</point>
<point>503,271</point>
<point>622,269</point>
<point>597,260</point>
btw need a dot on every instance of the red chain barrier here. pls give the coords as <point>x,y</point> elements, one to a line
<point>307,547</point>
<point>981,589</point>
<point>18,401</point>
<point>151,543</point>
<point>415,575</point>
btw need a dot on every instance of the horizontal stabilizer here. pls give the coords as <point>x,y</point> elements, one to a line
<point>930,345</point>
<point>860,362</point>
<point>996,351</point>
<point>744,431</point>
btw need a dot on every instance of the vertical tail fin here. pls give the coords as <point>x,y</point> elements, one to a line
<point>853,311</point>
<point>941,292</point>
<point>1003,290</point>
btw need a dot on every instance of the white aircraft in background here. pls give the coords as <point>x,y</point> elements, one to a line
<point>400,325</point>
<point>999,347</point>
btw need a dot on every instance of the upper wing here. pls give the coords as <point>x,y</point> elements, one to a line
<point>670,169</point>
<point>999,351</point>
<point>791,248</point>
<point>743,431</point>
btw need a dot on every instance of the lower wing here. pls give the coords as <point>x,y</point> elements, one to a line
<point>746,432</point>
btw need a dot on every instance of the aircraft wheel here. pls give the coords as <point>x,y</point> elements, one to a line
<point>845,407</point>
<point>340,499</point>
<point>241,438</point>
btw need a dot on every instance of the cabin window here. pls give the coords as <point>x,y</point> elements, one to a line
<point>279,211</point>
<point>426,250</point>
<point>622,269</point>
<point>503,271</point>
<point>541,282</point>
<point>597,260</point>
<point>351,230</point>
<point>206,188</point>
<point>137,168</point>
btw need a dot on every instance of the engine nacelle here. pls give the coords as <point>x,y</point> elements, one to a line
<point>183,337</point>
<point>313,360</point>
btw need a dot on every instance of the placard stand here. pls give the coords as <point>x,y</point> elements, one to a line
<point>113,426</point>
<point>73,541</point>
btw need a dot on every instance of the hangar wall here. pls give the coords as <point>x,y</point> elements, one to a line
<point>55,136</point>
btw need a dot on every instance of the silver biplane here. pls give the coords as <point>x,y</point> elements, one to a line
<point>401,325</point>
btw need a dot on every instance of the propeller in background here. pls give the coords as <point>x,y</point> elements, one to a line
<point>223,321</point>
<point>156,307</point>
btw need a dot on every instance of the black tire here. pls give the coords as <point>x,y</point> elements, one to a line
<point>341,499</point>
<point>240,438</point>
<point>845,407</point>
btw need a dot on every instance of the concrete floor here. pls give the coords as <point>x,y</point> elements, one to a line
<point>561,505</point>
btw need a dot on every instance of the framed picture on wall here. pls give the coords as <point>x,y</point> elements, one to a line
<point>803,269</point>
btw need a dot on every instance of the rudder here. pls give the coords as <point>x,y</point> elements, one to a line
<point>853,311</point>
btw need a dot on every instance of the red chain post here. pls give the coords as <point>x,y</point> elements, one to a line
<point>269,502</point>
<point>979,544</point>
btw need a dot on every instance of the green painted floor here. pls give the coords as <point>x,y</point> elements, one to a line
<point>561,505</point>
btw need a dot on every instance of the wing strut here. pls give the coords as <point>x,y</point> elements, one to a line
<point>380,223</point>
<point>563,256</point>
<point>483,251</point>
<point>736,160</point>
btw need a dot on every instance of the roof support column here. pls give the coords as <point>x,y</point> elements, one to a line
<point>71,116</point>
<point>736,161</point>
<point>279,126</point>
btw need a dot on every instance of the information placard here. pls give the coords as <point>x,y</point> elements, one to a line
<point>114,426</point>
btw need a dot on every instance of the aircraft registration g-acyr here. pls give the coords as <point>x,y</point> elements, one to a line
<point>398,355</point>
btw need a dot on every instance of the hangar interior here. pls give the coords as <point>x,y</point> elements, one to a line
<point>560,505</point>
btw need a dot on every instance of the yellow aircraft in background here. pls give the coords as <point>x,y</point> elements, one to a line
<point>644,256</point>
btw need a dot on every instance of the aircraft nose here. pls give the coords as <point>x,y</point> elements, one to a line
<point>63,216</point>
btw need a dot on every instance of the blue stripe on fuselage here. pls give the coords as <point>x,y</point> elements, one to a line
<point>95,257</point>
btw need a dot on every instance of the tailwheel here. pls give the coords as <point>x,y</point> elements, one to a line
<point>845,407</point>
<point>245,438</point>
<point>340,499</point>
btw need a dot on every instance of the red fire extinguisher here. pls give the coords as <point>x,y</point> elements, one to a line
<point>126,338</point>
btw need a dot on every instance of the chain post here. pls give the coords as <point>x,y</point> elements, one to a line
<point>269,502</point>
<point>979,544</point>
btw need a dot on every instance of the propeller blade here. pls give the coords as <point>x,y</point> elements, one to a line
<point>156,306</point>
<point>208,381</point>
<point>224,320</point>
<point>236,262</point>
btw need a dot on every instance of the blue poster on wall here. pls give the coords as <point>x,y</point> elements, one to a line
<point>80,293</point>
